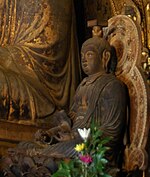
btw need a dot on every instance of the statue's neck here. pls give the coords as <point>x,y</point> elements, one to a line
<point>91,78</point>
<point>97,74</point>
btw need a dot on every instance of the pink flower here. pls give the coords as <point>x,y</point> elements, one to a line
<point>85,158</point>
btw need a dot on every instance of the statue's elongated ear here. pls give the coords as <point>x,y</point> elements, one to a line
<point>105,59</point>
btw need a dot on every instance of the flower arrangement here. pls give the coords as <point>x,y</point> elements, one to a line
<point>90,161</point>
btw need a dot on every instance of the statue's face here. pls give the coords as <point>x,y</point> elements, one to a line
<point>90,60</point>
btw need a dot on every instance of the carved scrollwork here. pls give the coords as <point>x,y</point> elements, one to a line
<point>124,34</point>
<point>138,157</point>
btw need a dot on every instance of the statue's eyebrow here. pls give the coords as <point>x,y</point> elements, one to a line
<point>88,48</point>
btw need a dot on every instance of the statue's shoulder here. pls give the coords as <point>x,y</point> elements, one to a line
<point>114,85</point>
<point>110,79</point>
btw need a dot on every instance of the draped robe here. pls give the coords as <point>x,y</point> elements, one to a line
<point>102,98</point>
<point>39,63</point>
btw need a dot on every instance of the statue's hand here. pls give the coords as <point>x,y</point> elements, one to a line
<point>60,132</point>
<point>63,136</point>
<point>63,127</point>
<point>60,117</point>
<point>40,136</point>
<point>62,124</point>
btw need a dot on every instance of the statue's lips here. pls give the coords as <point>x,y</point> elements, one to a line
<point>85,68</point>
<point>84,65</point>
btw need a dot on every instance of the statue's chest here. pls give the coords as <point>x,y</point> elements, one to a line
<point>84,97</point>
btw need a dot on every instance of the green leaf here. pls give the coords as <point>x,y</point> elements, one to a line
<point>104,161</point>
<point>106,175</point>
<point>61,173</point>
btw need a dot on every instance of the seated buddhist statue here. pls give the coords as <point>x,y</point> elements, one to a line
<point>38,58</point>
<point>100,97</point>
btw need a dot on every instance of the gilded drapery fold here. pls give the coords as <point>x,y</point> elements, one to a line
<point>39,61</point>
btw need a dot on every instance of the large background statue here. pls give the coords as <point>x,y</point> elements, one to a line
<point>38,58</point>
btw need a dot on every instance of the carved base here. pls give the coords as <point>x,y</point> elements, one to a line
<point>12,133</point>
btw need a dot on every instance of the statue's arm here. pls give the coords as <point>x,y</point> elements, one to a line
<point>113,109</point>
<point>64,122</point>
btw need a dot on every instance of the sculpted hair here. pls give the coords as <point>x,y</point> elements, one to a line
<point>97,43</point>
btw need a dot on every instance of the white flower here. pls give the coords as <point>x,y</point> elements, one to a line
<point>84,133</point>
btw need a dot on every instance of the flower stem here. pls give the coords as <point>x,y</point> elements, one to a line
<point>85,170</point>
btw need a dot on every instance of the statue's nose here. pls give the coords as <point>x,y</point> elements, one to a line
<point>84,60</point>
